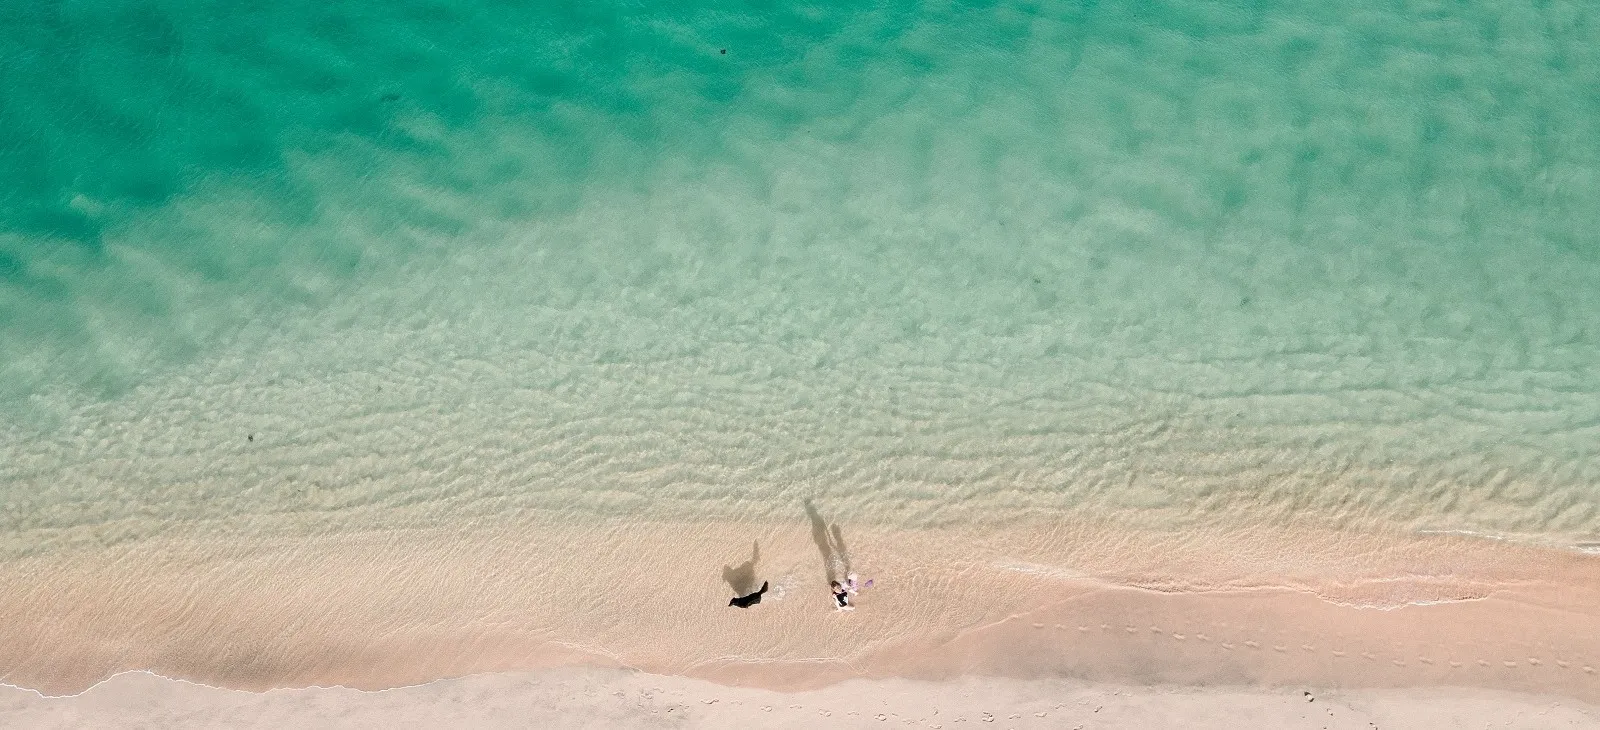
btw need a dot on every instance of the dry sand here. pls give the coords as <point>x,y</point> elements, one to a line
<point>598,698</point>
<point>551,620</point>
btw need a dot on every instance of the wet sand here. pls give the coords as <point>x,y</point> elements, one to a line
<point>1262,608</point>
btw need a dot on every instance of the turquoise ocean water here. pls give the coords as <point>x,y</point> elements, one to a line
<point>369,263</point>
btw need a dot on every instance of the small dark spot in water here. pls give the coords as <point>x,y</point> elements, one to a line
<point>724,51</point>
<point>1035,281</point>
<point>1245,301</point>
<point>251,438</point>
<point>391,96</point>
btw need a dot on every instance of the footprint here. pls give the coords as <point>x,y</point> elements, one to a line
<point>1455,664</point>
<point>1202,637</point>
<point>1038,714</point>
<point>1253,644</point>
<point>1534,662</point>
<point>1482,663</point>
<point>1588,670</point>
<point>1132,630</point>
<point>1083,628</point>
<point>1038,626</point>
<point>766,708</point>
<point>1397,662</point>
<point>880,717</point>
<point>1338,653</point>
<point>1369,656</point>
<point>1227,646</point>
<point>1510,665</point>
<point>1308,647</point>
<point>1425,660</point>
<point>1276,647</point>
<point>1154,630</point>
<point>1179,637</point>
<point>1563,664</point>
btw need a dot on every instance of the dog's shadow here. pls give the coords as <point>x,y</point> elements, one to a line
<point>742,578</point>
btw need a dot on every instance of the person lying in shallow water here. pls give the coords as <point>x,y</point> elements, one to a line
<point>840,595</point>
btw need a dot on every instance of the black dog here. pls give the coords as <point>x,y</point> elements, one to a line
<point>750,600</point>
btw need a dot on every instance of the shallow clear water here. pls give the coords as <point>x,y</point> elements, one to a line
<point>407,262</point>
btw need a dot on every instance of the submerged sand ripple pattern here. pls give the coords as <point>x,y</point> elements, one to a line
<point>910,429</point>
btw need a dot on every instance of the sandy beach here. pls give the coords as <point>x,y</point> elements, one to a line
<point>1006,621</point>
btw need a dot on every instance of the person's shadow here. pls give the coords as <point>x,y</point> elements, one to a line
<point>742,579</point>
<point>830,542</point>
